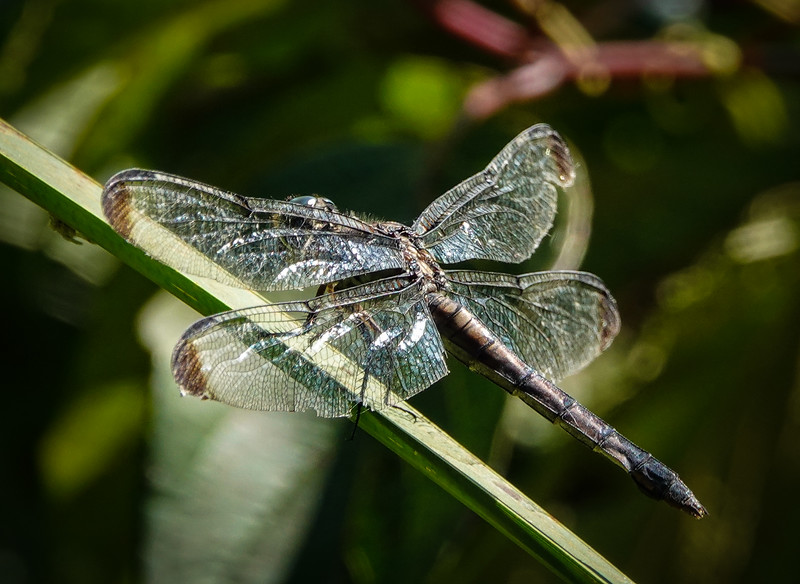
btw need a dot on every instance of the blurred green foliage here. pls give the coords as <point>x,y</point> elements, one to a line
<point>696,230</point>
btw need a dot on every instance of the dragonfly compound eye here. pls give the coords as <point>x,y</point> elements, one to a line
<point>315,202</point>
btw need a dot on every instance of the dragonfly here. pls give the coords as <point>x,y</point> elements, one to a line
<point>386,311</point>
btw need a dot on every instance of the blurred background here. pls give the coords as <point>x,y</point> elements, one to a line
<point>684,116</point>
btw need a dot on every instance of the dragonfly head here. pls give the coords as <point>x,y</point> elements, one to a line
<point>315,202</point>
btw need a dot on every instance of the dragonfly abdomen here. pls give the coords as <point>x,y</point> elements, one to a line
<point>653,477</point>
<point>474,343</point>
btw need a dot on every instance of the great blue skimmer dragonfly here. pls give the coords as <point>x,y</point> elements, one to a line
<point>386,307</point>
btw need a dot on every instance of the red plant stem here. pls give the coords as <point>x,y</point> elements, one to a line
<point>545,66</point>
<point>480,26</point>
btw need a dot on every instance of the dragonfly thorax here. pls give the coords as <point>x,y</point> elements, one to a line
<point>419,261</point>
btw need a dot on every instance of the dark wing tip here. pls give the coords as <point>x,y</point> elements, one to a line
<point>560,154</point>
<point>187,369</point>
<point>556,150</point>
<point>611,321</point>
<point>117,201</point>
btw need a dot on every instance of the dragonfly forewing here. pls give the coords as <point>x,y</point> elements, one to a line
<point>504,211</point>
<point>264,244</point>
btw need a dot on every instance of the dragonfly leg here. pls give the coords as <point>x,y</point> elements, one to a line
<point>359,407</point>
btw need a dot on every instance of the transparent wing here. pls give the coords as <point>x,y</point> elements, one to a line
<point>373,344</point>
<point>557,322</point>
<point>503,212</point>
<point>268,245</point>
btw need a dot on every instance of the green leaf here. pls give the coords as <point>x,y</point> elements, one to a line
<point>74,199</point>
